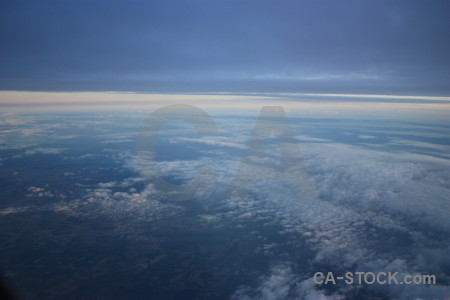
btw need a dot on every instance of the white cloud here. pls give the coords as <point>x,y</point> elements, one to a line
<point>39,192</point>
<point>282,284</point>
<point>13,122</point>
<point>365,136</point>
<point>105,185</point>
<point>46,150</point>
<point>13,210</point>
<point>377,209</point>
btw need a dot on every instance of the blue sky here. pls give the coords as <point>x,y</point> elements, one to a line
<point>363,47</point>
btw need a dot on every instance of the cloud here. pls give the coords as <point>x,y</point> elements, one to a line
<point>431,149</point>
<point>12,122</point>
<point>208,141</point>
<point>282,283</point>
<point>124,205</point>
<point>105,185</point>
<point>374,207</point>
<point>176,46</point>
<point>378,209</point>
<point>46,150</point>
<point>117,141</point>
<point>39,192</point>
<point>364,136</point>
<point>13,210</point>
<point>362,194</point>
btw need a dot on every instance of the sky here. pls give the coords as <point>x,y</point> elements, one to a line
<point>338,47</point>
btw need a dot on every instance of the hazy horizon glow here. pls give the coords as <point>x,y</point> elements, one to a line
<point>430,109</point>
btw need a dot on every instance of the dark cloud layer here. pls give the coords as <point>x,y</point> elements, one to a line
<point>398,47</point>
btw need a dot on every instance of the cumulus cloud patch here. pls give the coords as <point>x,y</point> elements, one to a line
<point>212,142</point>
<point>282,283</point>
<point>377,209</point>
<point>39,192</point>
<point>126,206</point>
<point>372,209</point>
<point>46,150</point>
<point>13,210</point>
